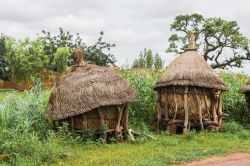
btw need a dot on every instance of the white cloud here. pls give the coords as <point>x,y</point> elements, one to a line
<point>132,24</point>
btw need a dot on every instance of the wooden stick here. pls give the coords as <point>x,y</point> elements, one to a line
<point>205,98</point>
<point>177,121</point>
<point>84,121</point>
<point>186,109</point>
<point>176,106</point>
<point>210,123</point>
<point>132,132</point>
<point>125,118</point>
<point>100,116</point>
<point>220,114</point>
<point>117,129</point>
<point>166,112</point>
<point>199,108</point>
<point>214,112</point>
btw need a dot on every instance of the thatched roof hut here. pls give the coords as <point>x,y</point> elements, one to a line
<point>90,96</point>
<point>189,92</point>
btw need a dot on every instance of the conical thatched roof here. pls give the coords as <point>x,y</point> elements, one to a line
<point>84,88</point>
<point>191,69</point>
<point>245,88</point>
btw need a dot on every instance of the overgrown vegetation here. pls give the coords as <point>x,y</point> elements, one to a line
<point>21,60</point>
<point>28,139</point>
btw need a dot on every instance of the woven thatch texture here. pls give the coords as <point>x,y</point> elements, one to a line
<point>190,69</point>
<point>85,88</point>
<point>245,88</point>
<point>176,98</point>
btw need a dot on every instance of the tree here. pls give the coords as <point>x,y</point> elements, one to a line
<point>158,61</point>
<point>149,59</point>
<point>25,58</point>
<point>99,53</point>
<point>61,59</point>
<point>3,63</point>
<point>214,36</point>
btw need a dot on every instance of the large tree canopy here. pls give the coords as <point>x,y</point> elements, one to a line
<point>220,41</point>
<point>99,53</point>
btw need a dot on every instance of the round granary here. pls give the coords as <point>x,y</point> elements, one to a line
<point>82,89</point>
<point>90,96</point>
<point>189,93</point>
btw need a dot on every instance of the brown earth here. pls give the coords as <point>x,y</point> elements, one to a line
<point>237,159</point>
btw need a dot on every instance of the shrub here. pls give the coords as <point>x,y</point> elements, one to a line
<point>61,59</point>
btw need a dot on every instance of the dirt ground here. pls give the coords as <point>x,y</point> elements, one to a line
<point>238,159</point>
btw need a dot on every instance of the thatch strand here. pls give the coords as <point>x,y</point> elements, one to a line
<point>85,88</point>
<point>190,69</point>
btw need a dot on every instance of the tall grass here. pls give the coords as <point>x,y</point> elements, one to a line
<point>28,138</point>
<point>233,102</point>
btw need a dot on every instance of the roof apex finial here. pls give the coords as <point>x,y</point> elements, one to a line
<point>191,45</point>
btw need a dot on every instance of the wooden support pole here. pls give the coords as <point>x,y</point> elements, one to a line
<point>199,109</point>
<point>205,99</point>
<point>214,112</point>
<point>176,106</point>
<point>100,116</point>
<point>186,109</point>
<point>125,118</point>
<point>220,114</point>
<point>165,107</point>
<point>117,129</point>
<point>84,121</point>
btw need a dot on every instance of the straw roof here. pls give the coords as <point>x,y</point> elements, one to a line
<point>84,88</point>
<point>190,69</point>
<point>245,88</point>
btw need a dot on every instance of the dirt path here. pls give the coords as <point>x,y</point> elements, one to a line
<point>237,159</point>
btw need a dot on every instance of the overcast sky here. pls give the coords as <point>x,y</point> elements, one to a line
<point>131,24</point>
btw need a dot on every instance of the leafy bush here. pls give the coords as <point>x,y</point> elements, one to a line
<point>142,81</point>
<point>232,127</point>
<point>61,59</point>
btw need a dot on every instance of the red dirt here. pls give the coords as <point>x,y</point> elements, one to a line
<point>238,159</point>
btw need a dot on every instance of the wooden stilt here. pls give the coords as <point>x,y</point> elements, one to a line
<point>214,112</point>
<point>125,118</point>
<point>117,129</point>
<point>205,99</point>
<point>100,116</point>
<point>199,108</point>
<point>166,112</point>
<point>186,109</point>
<point>220,114</point>
<point>84,121</point>
<point>176,106</point>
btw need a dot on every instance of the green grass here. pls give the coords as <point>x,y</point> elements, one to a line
<point>5,92</point>
<point>164,151</point>
<point>29,140</point>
